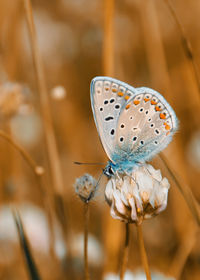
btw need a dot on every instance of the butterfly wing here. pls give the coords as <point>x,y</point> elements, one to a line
<point>108,96</point>
<point>145,126</point>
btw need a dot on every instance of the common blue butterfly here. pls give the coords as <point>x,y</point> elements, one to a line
<point>134,124</point>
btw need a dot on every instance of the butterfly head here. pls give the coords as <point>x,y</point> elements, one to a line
<point>123,167</point>
<point>109,170</point>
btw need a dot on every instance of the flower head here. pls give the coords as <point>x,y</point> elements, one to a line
<point>85,187</point>
<point>137,196</point>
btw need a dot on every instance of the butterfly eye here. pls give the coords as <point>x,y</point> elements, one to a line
<point>111,172</point>
<point>108,171</point>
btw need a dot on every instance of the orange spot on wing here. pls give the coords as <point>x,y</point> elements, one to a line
<point>153,102</point>
<point>126,97</point>
<point>136,102</point>
<point>128,106</point>
<point>167,133</point>
<point>106,88</point>
<point>157,108</point>
<point>162,116</point>
<point>167,127</point>
<point>120,93</point>
<point>114,90</point>
<point>146,99</point>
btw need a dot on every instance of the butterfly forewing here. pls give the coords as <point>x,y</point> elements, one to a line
<point>145,125</point>
<point>108,97</point>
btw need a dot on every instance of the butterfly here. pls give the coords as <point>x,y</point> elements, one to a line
<point>134,124</point>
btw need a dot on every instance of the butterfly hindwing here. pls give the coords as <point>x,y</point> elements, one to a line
<point>108,96</point>
<point>145,126</point>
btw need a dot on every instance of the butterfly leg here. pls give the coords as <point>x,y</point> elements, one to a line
<point>117,174</point>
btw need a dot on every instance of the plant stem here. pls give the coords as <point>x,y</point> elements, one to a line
<point>185,190</point>
<point>86,219</point>
<point>44,102</point>
<point>38,170</point>
<point>52,151</point>
<point>185,42</point>
<point>108,42</point>
<point>143,253</point>
<point>125,252</point>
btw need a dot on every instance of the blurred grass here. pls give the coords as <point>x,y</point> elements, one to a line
<point>145,49</point>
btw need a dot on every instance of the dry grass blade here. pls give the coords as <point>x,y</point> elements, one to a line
<point>185,42</point>
<point>38,170</point>
<point>33,272</point>
<point>45,107</point>
<point>110,242</point>
<point>143,252</point>
<point>108,43</point>
<point>180,258</point>
<point>54,161</point>
<point>125,252</point>
<point>185,190</point>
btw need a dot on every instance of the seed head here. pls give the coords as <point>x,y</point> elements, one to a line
<point>85,187</point>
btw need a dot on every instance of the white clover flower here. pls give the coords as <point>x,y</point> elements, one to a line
<point>138,196</point>
<point>85,187</point>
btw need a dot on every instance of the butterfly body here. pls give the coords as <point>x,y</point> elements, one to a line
<point>134,124</point>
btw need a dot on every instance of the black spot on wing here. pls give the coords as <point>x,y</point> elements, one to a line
<point>109,118</point>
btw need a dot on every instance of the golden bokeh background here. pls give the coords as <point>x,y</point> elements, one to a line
<point>146,48</point>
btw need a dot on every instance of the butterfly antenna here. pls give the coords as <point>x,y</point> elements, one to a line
<point>98,181</point>
<point>88,163</point>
